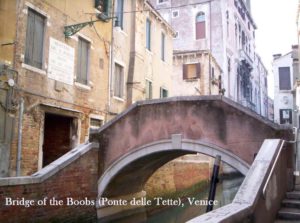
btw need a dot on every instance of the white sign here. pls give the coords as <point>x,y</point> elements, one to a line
<point>61,62</point>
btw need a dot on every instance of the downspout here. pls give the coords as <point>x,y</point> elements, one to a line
<point>19,152</point>
<point>111,59</point>
<point>210,49</point>
<point>131,70</point>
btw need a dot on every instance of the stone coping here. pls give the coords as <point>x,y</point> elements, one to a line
<point>52,168</point>
<point>220,98</point>
<point>250,190</point>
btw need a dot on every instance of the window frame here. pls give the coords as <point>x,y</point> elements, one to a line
<point>120,14</point>
<point>149,91</point>
<point>162,90</point>
<point>121,81</point>
<point>163,47</point>
<point>185,75</point>
<point>280,83</point>
<point>78,58</point>
<point>175,11</point>
<point>201,22</point>
<point>148,34</point>
<point>42,56</point>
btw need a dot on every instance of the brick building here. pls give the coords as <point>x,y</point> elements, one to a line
<point>142,55</point>
<point>53,80</point>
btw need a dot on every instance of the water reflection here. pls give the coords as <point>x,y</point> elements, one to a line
<point>226,190</point>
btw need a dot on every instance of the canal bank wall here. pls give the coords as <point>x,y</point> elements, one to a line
<point>179,175</point>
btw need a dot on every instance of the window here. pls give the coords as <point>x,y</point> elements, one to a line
<point>200,25</point>
<point>163,46</point>
<point>119,12</point>
<point>34,39</point>
<point>95,123</point>
<point>82,61</point>
<point>284,78</point>
<point>148,34</point>
<point>163,93</point>
<point>119,81</point>
<point>213,73</point>
<point>176,35</point>
<point>175,14</point>
<point>161,1</point>
<point>148,89</point>
<point>285,116</point>
<point>191,71</point>
<point>104,6</point>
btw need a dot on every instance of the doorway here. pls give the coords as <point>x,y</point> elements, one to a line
<point>58,133</point>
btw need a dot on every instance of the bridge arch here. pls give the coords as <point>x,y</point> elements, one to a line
<point>117,178</point>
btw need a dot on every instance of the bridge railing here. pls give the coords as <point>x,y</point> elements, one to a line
<point>249,204</point>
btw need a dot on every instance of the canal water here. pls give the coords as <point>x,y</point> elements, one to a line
<point>225,193</point>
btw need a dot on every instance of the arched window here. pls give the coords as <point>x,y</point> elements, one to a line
<point>200,25</point>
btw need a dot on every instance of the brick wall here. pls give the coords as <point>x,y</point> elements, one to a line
<point>36,88</point>
<point>78,180</point>
<point>176,176</point>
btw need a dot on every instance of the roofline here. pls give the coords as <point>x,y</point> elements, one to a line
<point>156,13</point>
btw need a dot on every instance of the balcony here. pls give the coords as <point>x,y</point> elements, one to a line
<point>244,56</point>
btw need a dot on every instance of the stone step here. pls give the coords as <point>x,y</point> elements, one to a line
<point>289,214</point>
<point>291,203</point>
<point>285,221</point>
<point>293,195</point>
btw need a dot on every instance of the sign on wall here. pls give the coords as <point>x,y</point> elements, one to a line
<point>61,62</point>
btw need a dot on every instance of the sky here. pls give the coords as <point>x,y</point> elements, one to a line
<point>276,30</point>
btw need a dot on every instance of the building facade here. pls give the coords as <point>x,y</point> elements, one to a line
<point>226,29</point>
<point>54,79</point>
<point>141,57</point>
<point>284,105</point>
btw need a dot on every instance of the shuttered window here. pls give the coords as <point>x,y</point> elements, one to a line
<point>119,81</point>
<point>191,71</point>
<point>163,46</point>
<point>34,39</point>
<point>163,93</point>
<point>200,25</point>
<point>284,78</point>
<point>148,34</point>
<point>82,61</point>
<point>148,89</point>
<point>120,13</point>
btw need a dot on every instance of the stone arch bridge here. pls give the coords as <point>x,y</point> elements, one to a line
<point>151,133</point>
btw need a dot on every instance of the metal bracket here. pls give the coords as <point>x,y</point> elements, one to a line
<point>72,29</point>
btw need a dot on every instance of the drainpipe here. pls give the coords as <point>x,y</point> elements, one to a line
<point>210,49</point>
<point>111,59</point>
<point>19,153</point>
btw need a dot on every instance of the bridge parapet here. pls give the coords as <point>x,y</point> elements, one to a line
<point>249,204</point>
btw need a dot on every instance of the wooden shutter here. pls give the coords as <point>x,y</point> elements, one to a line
<point>82,61</point>
<point>198,70</point>
<point>200,30</point>
<point>185,71</point>
<point>38,40</point>
<point>163,46</point>
<point>29,37</point>
<point>148,34</point>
